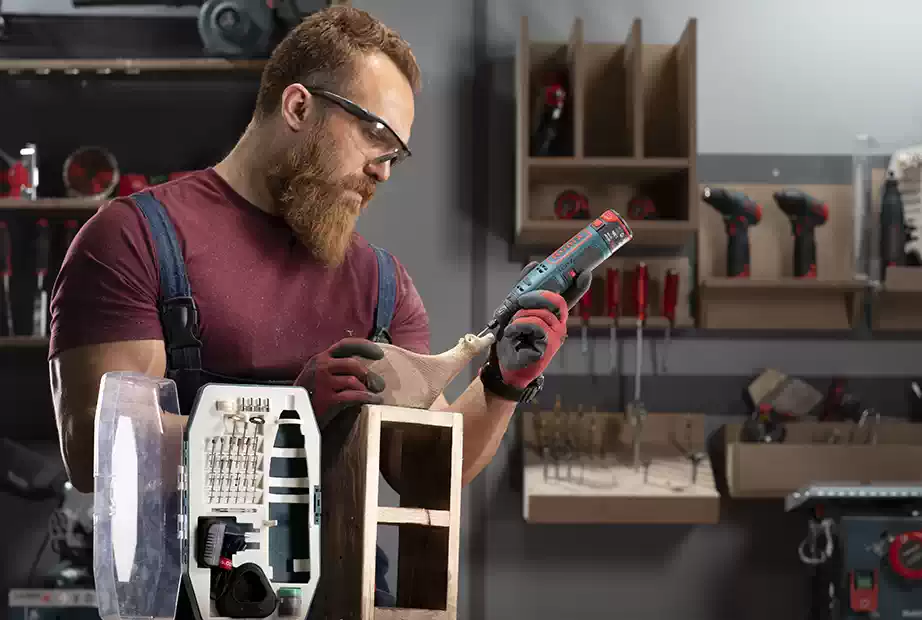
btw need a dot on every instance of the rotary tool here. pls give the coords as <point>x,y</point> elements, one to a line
<point>585,251</point>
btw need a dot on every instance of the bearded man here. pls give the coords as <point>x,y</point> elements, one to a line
<point>251,271</point>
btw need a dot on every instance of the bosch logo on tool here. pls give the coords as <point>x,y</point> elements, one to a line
<point>574,242</point>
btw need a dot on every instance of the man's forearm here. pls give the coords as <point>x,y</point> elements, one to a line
<point>486,418</point>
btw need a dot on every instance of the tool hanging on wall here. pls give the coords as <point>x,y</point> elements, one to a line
<point>549,109</point>
<point>636,411</point>
<point>612,307</point>
<point>40,298</point>
<point>90,172</point>
<point>739,213</point>
<point>670,301</point>
<point>571,205</point>
<point>6,271</point>
<point>71,227</point>
<point>641,208</point>
<point>585,313</point>
<point>806,214</point>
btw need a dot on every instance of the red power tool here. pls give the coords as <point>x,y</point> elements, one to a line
<point>612,306</point>
<point>739,213</point>
<point>805,213</point>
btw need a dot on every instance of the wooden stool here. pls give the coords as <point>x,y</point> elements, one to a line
<point>429,516</point>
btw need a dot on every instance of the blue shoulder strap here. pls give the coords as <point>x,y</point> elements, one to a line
<point>387,295</point>
<point>178,312</point>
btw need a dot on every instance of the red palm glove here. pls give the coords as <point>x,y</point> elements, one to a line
<point>335,380</point>
<point>531,339</point>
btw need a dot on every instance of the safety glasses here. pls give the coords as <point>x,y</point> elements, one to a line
<point>378,132</point>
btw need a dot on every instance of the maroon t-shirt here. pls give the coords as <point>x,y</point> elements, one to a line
<point>266,305</point>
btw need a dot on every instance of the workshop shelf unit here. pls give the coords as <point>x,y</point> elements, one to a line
<point>771,298</point>
<point>628,129</point>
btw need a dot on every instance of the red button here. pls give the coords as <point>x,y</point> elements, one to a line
<point>611,216</point>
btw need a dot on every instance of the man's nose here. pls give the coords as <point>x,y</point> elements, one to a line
<point>380,171</point>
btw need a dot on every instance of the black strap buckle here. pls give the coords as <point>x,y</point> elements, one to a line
<point>180,320</point>
<point>492,380</point>
<point>530,394</point>
<point>381,335</point>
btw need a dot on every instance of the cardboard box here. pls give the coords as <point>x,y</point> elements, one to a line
<point>823,452</point>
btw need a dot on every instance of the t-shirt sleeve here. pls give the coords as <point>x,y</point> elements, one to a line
<point>108,285</point>
<point>410,324</point>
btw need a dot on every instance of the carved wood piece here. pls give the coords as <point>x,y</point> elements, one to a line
<point>416,380</point>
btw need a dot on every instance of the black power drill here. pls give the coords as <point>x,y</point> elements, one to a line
<point>805,213</point>
<point>739,212</point>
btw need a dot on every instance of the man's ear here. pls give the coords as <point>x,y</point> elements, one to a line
<point>295,106</point>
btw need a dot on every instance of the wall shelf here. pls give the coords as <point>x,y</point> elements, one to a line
<point>124,66</point>
<point>50,204</point>
<point>627,130</point>
<point>599,484</point>
<point>896,304</point>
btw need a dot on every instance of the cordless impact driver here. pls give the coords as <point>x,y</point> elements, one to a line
<point>585,251</point>
<point>805,213</point>
<point>740,213</point>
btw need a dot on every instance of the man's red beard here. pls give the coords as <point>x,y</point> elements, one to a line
<point>322,213</point>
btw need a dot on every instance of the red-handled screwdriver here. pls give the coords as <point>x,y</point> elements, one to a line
<point>612,305</point>
<point>640,311</point>
<point>670,301</point>
<point>585,312</point>
<point>42,259</point>
<point>6,270</point>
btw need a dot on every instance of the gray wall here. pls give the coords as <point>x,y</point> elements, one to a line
<point>804,82</point>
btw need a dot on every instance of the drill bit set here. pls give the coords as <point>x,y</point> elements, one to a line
<point>594,449</point>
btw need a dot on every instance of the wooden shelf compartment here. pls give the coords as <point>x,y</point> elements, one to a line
<point>607,185</point>
<point>124,66</point>
<point>771,298</point>
<point>541,64</point>
<point>23,342</point>
<point>603,150</point>
<point>50,204</point>
<point>599,482</point>
<point>822,452</point>
<point>786,303</point>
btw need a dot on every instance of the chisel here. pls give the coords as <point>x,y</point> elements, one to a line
<point>40,300</point>
<point>612,306</point>
<point>6,270</point>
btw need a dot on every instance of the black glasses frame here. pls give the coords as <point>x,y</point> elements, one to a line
<point>361,113</point>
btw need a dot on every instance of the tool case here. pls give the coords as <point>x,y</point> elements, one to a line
<point>228,509</point>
